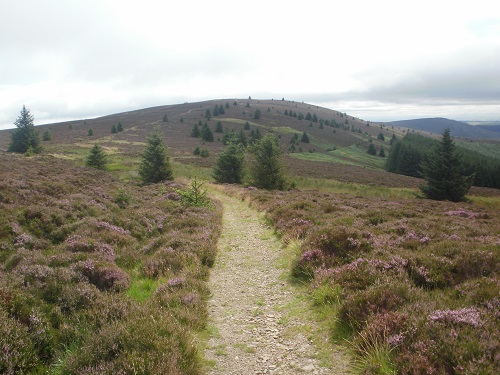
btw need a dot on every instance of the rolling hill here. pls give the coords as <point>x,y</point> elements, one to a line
<point>438,124</point>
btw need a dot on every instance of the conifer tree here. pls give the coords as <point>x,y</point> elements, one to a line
<point>265,165</point>
<point>47,135</point>
<point>372,150</point>
<point>90,133</point>
<point>218,127</point>
<point>257,114</point>
<point>119,127</point>
<point>304,138</point>
<point>114,129</point>
<point>206,134</point>
<point>443,172</point>
<point>155,165</point>
<point>165,118</point>
<point>25,136</point>
<point>97,158</point>
<point>229,166</point>
<point>195,133</point>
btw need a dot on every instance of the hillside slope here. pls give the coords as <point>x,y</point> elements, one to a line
<point>438,124</point>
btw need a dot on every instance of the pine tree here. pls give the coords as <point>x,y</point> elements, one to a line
<point>442,171</point>
<point>47,136</point>
<point>25,136</point>
<point>381,153</point>
<point>155,165</point>
<point>304,138</point>
<point>229,166</point>
<point>165,118</point>
<point>195,133</point>
<point>206,134</point>
<point>96,158</point>
<point>372,150</point>
<point>216,110</point>
<point>218,127</point>
<point>90,133</point>
<point>265,165</point>
<point>257,114</point>
<point>119,127</point>
<point>114,129</point>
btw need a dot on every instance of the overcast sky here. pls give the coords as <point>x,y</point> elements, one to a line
<point>378,60</point>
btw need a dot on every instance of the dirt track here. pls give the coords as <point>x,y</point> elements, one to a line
<point>256,318</point>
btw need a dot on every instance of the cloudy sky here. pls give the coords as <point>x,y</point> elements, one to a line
<point>378,60</point>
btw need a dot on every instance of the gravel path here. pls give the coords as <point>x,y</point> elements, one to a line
<point>256,320</point>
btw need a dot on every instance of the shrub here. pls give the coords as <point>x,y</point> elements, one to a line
<point>338,242</point>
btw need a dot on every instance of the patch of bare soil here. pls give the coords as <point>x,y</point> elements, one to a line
<point>256,319</point>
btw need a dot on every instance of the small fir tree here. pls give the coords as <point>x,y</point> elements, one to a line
<point>47,135</point>
<point>229,166</point>
<point>114,129</point>
<point>443,172</point>
<point>119,127</point>
<point>372,150</point>
<point>381,153</point>
<point>195,133</point>
<point>206,134</point>
<point>218,127</point>
<point>266,168</point>
<point>165,118</point>
<point>155,164</point>
<point>25,136</point>
<point>304,138</point>
<point>90,133</point>
<point>257,114</point>
<point>97,157</point>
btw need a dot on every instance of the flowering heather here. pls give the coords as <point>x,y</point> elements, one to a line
<point>113,228</point>
<point>468,315</point>
<point>434,263</point>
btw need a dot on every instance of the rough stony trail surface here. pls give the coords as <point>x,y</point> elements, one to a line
<point>251,320</point>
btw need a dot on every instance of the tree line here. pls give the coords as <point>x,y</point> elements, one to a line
<point>408,154</point>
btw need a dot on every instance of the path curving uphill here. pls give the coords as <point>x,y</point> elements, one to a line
<point>256,320</point>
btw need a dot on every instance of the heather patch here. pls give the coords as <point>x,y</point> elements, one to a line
<point>81,275</point>
<point>413,285</point>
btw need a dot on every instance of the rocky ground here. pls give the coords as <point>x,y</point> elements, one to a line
<point>258,322</point>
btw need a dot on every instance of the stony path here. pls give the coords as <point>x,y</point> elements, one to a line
<point>252,328</point>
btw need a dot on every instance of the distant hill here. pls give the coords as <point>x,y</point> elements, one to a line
<point>491,128</point>
<point>457,128</point>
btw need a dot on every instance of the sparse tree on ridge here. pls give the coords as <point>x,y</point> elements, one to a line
<point>119,127</point>
<point>114,129</point>
<point>443,172</point>
<point>265,165</point>
<point>372,150</point>
<point>25,136</point>
<point>304,138</point>
<point>165,118</point>
<point>155,165</point>
<point>97,157</point>
<point>229,166</point>
<point>257,114</point>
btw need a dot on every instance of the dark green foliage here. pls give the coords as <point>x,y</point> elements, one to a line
<point>25,136</point>
<point>206,134</point>
<point>122,198</point>
<point>381,153</point>
<point>381,137</point>
<point>197,151</point>
<point>255,135</point>
<point>194,195</point>
<point>308,117</point>
<point>265,165</point>
<point>208,115</point>
<point>246,126</point>
<point>195,133</point>
<point>218,127</point>
<point>114,129</point>
<point>165,118</point>
<point>227,105</point>
<point>90,133</point>
<point>155,165</point>
<point>257,114</point>
<point>216,110</point>
<point>372,150</point>
<point>47,135</point>
<point>119,127</point>
<point>442,171</point>
<point>315,118</point>
<point>304,138</point>
<point>300,116</point>
<point>286,112</point>
<point>229,166</point>
<point>222,111</point>
<point>96,158</point>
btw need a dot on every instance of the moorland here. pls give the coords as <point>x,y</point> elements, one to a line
<point>101,274</point>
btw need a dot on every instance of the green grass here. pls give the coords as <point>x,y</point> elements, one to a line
<point>142,289</point>
<point>352,188</point>
<point>191,171</point>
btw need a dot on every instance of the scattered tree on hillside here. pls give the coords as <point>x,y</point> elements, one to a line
<point>372,150</point>
<point>257,114</point>
<point>218,127</point>
<point>304,138</point>
<point>90,133</point>
<point>227,105</point>
<point>206,134</point>
<point>208,115</point>
<point>266,170</point>
<point>221,110</point>
<point>442,171</point>
<point>381,153</point>
<point>155,164</point>
<point>215,112</point>
<point>25,136</point>
<point>47,135</point>
<point>300,116</point>
<point>97,157</point>
<point>308,117</point>
<point>165,118</point>
<point>195,132</point>
<point>119,127</point>
<point>114,129</point>
<point>381,137</point>
<point>315,118</point>
<point>229,166</point>
<point>246,126</point>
